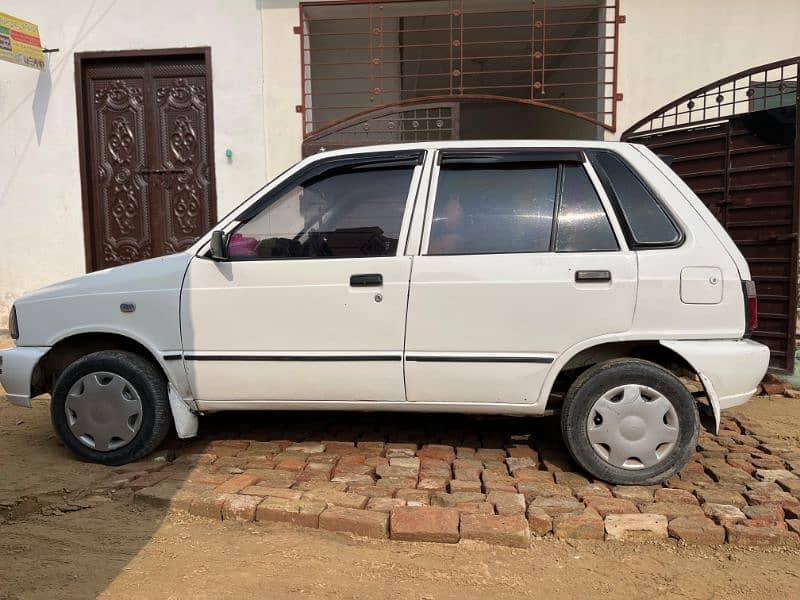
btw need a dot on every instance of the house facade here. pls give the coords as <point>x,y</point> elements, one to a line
<point>154,118</point>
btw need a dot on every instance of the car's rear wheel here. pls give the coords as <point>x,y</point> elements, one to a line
<point>111,407</point>
<point>630,421</point>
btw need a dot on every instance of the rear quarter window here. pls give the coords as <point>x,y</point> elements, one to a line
<point>646,223</point>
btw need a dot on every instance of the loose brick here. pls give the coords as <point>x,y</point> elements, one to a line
<point>670,495</point>
<point>593,489</point>
<point>634,493</point>
<point>433,483</point>
<point>286,510</point>
<point>457,485</point>
<point>635,526</point>
<point>237,483</point>
<point>672,510</point>
<point>384,504</point>
<point>764,514</point>
<point>371,491</point>
<point>724,514</point>
<point>425,524</point>
<point>450,500</point>
<point>366,523</point>
<point>585,525</point>
<point>774,474</point>
<point>517,463</point>
<point>414,497</point>
<point>697,530</point>
<point>535,489</point>
<point>721,496</point>
<point>438,452</point>
<point>396,471</point>
<point>504,530</point>
<point>770,496</point>
<point>742,535</point>
<point>570,479</point>
<point>608,506</point>
<point>336,498</point>
<point>540,522</point>
<point>238,507</point>
<point>263,490</point>
<point>507,503</point>
<point>208,505</point>
<point>557,505</point>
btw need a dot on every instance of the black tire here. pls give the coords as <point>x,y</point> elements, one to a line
<point>151,386</point>
<point>603,377</point>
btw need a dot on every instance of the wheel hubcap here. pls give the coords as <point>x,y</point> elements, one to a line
<point>104,411</point>
<point>632,427</point>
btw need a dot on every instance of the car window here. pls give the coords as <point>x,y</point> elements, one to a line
<point>342,214</point>
<point>645,221</point>
<point>493,209</point>
<point>583,225</point>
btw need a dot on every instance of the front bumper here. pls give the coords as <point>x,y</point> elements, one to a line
<point>16,368</point>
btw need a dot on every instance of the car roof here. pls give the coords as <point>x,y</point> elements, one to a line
<point>493,144</point>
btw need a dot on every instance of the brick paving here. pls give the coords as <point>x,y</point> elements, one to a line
<point>445,478</point>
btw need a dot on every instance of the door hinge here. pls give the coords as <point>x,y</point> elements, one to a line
<point>298,29</point>
<point>620,19</point>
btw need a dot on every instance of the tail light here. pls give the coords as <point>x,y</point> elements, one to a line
<point>750,307</point>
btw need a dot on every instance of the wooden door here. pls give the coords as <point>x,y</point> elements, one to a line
<point>148,170</point>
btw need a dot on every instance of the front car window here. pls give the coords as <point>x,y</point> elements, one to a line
<point>344,213</point>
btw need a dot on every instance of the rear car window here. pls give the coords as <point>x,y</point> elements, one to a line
<point>493,209</point>
<point>645,221</point>
<point>582,221</point>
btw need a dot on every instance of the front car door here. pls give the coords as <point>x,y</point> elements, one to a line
<point>519,261</point>
<point>311,303</point>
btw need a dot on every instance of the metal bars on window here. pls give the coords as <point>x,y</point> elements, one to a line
<point>361,56</point>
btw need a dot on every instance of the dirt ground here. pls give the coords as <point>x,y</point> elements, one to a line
<point>59,541</point>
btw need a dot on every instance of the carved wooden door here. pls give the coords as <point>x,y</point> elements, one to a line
<point>149,164</point>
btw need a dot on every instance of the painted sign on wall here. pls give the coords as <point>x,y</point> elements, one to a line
<point>20,43</point>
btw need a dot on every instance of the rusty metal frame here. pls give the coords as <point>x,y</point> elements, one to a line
<point>709,103</point>
<point>604,116</point>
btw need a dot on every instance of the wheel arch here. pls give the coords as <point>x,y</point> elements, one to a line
<point>71,347</point>
<point>570,365</point>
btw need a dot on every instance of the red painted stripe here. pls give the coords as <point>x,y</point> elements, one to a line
<point>18,36</point>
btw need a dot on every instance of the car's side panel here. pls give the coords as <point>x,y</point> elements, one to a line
<point>294,329</point>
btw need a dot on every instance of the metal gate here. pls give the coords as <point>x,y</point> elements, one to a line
<point>735,144</point>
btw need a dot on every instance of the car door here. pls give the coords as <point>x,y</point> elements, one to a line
<point>519,261</point>
<point>310,304</point>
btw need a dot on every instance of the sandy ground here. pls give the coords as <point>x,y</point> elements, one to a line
<point>114,549</point>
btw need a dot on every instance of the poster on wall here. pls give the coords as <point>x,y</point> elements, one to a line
<point>20,43</point>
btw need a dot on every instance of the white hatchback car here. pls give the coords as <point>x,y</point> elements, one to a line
<point>475,277</point>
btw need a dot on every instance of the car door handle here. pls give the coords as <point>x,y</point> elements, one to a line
<point>593,276</point>
<point>368,280</point>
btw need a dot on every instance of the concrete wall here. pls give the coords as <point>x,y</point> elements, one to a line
<point>41,221</point>
<point>667,49</point>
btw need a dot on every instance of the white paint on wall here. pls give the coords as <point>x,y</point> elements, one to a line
<point>41,220</point>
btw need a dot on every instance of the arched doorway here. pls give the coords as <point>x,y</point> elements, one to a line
<point>735,142</point>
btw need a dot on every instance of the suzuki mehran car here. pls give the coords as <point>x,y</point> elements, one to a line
<point>490,277</point>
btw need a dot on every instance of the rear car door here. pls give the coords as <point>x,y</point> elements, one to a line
<point>519,261</point>
<point>311,303</point>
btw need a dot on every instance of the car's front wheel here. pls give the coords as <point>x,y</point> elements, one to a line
<point>630,421</point>
<point>111,407</point>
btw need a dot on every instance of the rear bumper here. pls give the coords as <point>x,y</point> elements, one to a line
<point>729,369</point>
<point>16,368</point>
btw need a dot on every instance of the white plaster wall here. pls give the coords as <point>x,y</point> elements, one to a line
<point>667,49</point>
<point>41,221</point>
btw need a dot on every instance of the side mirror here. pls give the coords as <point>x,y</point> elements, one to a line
<point>219,247</point>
